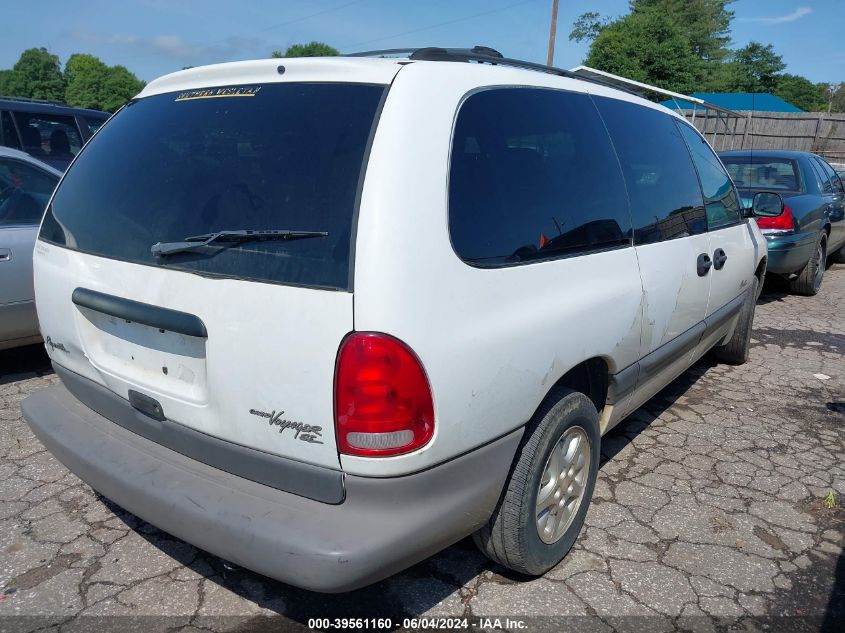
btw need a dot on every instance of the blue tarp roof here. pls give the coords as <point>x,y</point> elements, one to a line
<point>761,101</point>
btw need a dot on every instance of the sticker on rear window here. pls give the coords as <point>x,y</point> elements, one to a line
<point>217,93</point>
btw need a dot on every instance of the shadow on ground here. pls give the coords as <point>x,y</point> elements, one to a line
<point>22,362</point>
<point>834,618</point>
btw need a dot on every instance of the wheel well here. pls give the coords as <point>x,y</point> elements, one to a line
<point>761,270</point>
<point>590,378</point>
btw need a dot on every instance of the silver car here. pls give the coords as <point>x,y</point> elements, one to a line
<point>25,187</point>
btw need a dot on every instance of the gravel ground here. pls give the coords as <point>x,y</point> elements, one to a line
<point>709,514</point>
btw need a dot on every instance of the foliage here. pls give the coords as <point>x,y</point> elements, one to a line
<point>37,75</point>
<point>93,84</point>
<point>758,68</point>
<point>801,92</point>
<point>86,81</point>
<point>682,45</point>
<point>312,49</point>
<point>9,80</point>
<point>588,26</point>
<point>647,46</point>
<point>121,85</point>
<point>705,23</point>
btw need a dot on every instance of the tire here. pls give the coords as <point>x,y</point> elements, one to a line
<point>735,351</point>
<point>809,281</point>
<point>512,536</point>
<point>838,256</point>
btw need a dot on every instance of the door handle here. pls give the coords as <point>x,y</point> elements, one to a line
<point>5,254</point>
<point>704,263</point>
<point>719,259</point>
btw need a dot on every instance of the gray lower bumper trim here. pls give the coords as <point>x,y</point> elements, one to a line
<point>383,526</point>
<point>306,480</point>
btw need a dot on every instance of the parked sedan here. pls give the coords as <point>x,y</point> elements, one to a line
<point>812,226</point>
<point>25,187</point>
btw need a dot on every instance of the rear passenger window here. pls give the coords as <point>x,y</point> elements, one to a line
<point>831,181</point>
<point>48,135</point>
<point>533,176</point>
<point>662,184</point>
<point>720,199</point>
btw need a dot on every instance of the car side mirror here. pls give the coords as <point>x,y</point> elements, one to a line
<point>766,204</point>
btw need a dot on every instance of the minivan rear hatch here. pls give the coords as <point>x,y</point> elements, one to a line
<point>232,337</point>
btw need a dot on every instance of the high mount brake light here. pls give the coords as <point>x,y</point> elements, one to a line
<point>383,402</point>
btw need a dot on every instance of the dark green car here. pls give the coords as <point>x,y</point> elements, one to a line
<point>812,227</point>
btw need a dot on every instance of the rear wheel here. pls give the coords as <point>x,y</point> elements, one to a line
<point>810,279</point>
<point>735,351</point>
<point>838,256</point>
<point>542,508</point>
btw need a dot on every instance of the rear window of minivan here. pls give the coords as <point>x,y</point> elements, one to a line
<point>284,156</point>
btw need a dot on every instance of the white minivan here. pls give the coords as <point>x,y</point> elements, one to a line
<point>325,317</point>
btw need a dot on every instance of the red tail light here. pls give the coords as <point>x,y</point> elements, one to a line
<point>783,222</point>
<point>383,403</point>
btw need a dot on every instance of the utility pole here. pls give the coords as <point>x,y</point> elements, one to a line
<point>552,32</point>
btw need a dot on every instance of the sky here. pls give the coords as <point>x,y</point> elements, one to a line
<point>154,37</point>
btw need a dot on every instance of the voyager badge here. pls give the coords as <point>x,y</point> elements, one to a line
<point>305,432</point>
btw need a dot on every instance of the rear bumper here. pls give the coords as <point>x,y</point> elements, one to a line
<point>789,253</point>
<point>383,525</point>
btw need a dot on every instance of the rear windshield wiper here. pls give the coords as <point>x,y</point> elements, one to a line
<point>196,242</point>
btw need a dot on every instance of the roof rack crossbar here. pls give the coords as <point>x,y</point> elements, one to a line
<point>481,55</point>
<point>32,100</point>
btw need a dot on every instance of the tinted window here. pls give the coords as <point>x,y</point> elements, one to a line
<point>49,135</point>
<point>24,192</point>
<point>93,123</point>
<point>533,175</point>
<point>763,173</point>
<point>720,199</point>
<point>8,134</point>
<point>184,164</point>
<point>662,184</point>
<point>830,180</point>
<point>817,172</point>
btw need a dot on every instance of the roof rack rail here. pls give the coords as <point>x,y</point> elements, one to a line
<point>480,55</point>
<point>31,100</point>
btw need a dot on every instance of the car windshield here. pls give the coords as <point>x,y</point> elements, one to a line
<point>285,155</point>
<point>763,173</point>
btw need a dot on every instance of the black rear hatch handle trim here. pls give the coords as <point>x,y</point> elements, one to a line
<point>143,313</point>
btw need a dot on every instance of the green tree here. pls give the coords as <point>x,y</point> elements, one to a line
<point>756,68</point>
<point>10,83</point>
<point>85,76</point>
<point>312,49</point>
<point>93,84</point>
<point>706,23</point>
<point>588,26</point>
<point>800,92</point>
<point>36,75</point>
<point>120,86</point>
<point>647,46</point>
